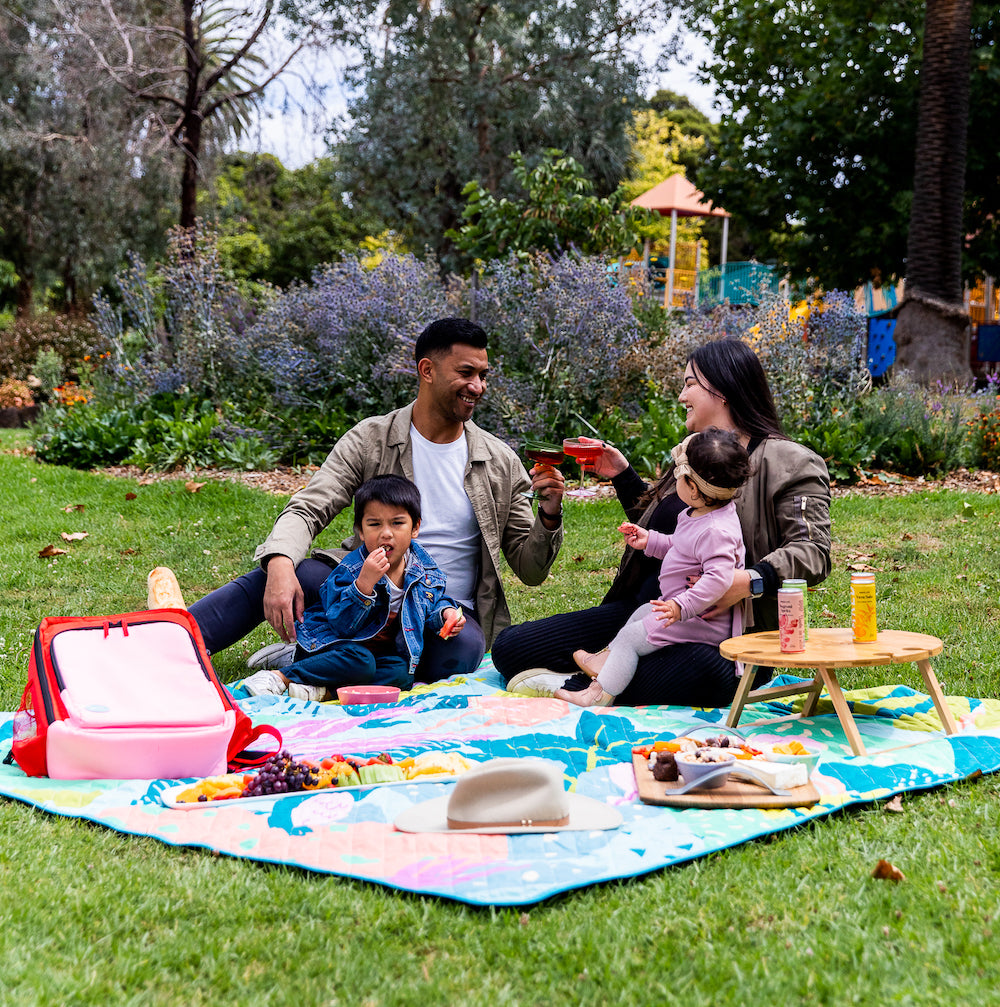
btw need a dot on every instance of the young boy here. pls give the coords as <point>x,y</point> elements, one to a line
<point>374,608</point>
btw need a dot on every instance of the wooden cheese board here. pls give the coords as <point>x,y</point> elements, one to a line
<point>733,793</point>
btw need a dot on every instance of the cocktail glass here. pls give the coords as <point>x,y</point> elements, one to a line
<point>586,453</point>
<point>541,453</point>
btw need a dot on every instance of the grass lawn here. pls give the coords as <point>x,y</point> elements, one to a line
<point>90,916</point>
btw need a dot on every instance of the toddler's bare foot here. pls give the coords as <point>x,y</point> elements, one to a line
<point>590,696</point>
<point>590,663</point>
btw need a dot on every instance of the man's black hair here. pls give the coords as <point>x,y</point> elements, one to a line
<point>393,491</point>
<point>440,336</point>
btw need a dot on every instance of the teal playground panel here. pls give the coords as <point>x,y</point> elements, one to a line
<point>736,282</point>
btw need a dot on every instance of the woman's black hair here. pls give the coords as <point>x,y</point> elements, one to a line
<point>732,369</point>
<point>391,490</point>
<point>720,459</point>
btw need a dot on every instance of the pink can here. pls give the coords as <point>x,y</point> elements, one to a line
<point>791,621</point>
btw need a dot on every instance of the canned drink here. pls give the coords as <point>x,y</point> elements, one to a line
<point>863,620</point>
<point>800,585</point>
<point>791,620</point>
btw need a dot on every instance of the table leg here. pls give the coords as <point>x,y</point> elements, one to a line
<point>742,692</point>
<point>812,696</point>
<point>937,696</point>
<point>844,715</point>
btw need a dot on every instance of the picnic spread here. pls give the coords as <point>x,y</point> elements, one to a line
<point>607,758</point>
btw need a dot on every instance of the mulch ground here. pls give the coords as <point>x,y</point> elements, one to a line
<point>287,481</point>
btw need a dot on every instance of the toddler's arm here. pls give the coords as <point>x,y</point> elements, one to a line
<point>670,611</point>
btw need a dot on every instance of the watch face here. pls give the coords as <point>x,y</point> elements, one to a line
<point>756,586</point>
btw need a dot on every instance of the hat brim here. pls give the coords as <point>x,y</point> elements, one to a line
<point>586,814</point>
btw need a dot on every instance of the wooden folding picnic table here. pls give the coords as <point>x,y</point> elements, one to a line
<point>826,650</point>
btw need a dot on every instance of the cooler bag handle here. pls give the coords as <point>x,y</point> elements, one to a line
<point>249,758</point>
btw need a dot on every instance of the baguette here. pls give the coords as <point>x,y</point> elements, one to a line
<point>163,591</point>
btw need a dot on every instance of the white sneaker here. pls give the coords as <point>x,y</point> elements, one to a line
<point>274,655</point>
<point>265,683</point>
<point>310,693</point>
<point>538,682</point>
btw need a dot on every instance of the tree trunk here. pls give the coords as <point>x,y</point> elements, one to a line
<point>931,334</point>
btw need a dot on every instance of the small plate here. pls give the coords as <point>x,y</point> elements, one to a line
<point>366,695</point>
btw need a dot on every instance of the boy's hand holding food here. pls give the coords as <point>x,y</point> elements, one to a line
<point>375,566</point>
<point>454,620</point>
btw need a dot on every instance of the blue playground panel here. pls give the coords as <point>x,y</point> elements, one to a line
<point>881,345</point>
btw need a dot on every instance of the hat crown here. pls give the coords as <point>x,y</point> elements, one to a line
<point>507,792</point>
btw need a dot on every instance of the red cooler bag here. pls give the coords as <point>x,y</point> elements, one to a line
<point>128,697</point>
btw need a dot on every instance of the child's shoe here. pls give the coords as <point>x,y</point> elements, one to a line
<point>265,683</point>
<point>310,693</point>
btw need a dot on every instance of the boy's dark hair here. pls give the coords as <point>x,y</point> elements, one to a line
<point>393,491</point>
<point>442,335</point>
<point>719,458</point>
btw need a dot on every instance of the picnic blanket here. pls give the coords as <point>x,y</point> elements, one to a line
<point>351,834</point>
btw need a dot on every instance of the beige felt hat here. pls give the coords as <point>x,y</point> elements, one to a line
<point>510,796</point>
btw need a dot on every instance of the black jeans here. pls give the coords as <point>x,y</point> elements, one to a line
<point>683,674</point>
<point>230,612</point>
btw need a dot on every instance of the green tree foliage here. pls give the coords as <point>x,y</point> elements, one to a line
<point>77,182</point>
<point>447,91</point>
<point>556,212</point>
<point>277,224</point>
<point>816,152</point>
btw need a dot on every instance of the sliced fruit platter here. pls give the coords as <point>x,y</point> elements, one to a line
<point>282,775</point>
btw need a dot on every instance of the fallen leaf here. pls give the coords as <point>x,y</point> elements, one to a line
<point>51,550</point>
<point>896,804</point>
<point>73,536</point>
<point>192,487</point>
<point>907,536</point>
<point>524,918</point>
<point>131,496</point>
<point>73,507</point>
<point>127,552</point>
<point>827,614</point>
<point>885,871</point>
<point>942,887</point>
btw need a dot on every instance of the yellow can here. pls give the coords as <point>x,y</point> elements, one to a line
<point>863,620</point>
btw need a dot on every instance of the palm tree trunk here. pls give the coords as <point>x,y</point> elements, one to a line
<point>932,325</point>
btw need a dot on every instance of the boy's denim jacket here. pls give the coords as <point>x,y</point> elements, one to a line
<point>344,613</point>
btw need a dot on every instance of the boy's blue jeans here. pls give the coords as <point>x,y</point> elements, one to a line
<point>230,612</point>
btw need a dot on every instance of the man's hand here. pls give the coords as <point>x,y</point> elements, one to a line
<point>375,566</point>
<point>635,536</point>
<point>284,601</point>
<point>669,611</point>
<point>548,484</point>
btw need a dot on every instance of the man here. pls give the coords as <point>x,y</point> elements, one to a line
<point>473,495</point>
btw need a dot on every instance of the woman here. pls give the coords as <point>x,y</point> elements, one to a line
<point>784,510</point>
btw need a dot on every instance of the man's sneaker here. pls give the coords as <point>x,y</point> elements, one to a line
<point>265,683</point>
<point>274,655</point>
<point>538,682</point>
<point>311,693</point>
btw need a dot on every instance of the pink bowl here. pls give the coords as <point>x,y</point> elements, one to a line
<point>361,695</point>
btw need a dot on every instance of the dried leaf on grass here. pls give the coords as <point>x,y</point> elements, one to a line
<point>896,804</point>
<point>50,550</point>
<point>70,508</point>
<point>73,536</point>
<point>131,496</point>
<point>885,871</point>
<point>192,487</point>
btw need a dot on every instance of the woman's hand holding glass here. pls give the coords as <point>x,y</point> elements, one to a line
<point>609,463</point>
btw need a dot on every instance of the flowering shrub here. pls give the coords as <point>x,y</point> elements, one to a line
<point>564,343</point>
<point>984,431</point>
<point>348,336</point>
<point>180,325</point>
<point>812,364</point>
<point>15,393</point>
<point>71,336</point>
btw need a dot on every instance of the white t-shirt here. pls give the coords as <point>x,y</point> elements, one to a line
<point>449,530</point>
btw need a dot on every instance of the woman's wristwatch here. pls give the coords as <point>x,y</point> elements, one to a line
<point>756,584</point>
